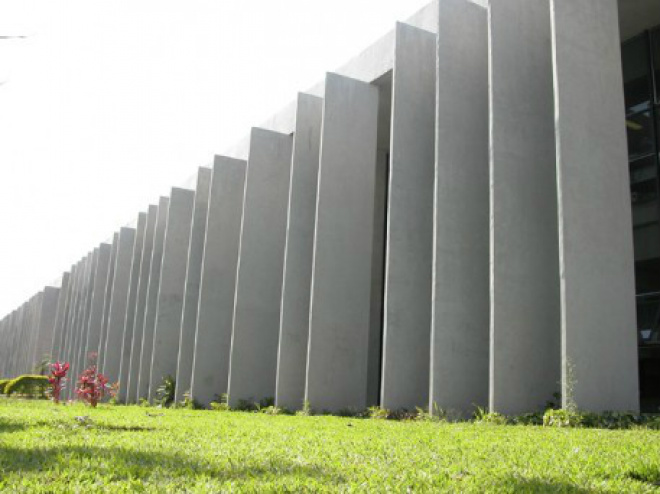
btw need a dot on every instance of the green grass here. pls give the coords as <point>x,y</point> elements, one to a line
<point>44,448</point>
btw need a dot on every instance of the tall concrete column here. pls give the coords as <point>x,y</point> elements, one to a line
<point>70,317</point>
<point>169,309</point>
<point>341,280</point>
<point>525,316</point>
<point>253,362</point>
<point>107,298</point>
<point>140,305</point>
<point>98,300</point>
<point>210,371</point>
<point>461,301</point>
<point>59,317</point>
<point>598,325</point>
<point>119,299</point>
<point>408,264</point>
<point>294,320</point>
<point>193,277</point>
<point>129,321</point>
<point>152,300</point>
<point>79,357</point>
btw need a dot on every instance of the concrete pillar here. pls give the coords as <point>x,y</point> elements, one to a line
<point>107,299</point>
<point>461,301</point>
<point>79,357</point>
<point>193,276</point>
<point>119,299</point>
<point>294,320</point>
<point>525,353</point>
<point>341,280</point>
<point>129,321</point>
<point>253,362</point>
<point>140,305</point>
<point>210,371</point>
<point>598,325</point>
<point>152,300</point>
<point>172,285</point>
<point>59,317</point>
<point>47,315</point>
<point>408,265</point>
<point>98,300</point>
<point>70,317</point>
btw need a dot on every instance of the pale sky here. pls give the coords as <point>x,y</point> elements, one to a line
<point>107,104</point>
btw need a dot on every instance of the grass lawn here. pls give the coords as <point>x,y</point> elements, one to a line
<point>44,448</point>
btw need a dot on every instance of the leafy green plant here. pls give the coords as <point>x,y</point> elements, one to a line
<point>483,416</point>
<point>274,410</point>
<point>306,410</point>
<point>144,402</point>
<point>561,418</point>
<point>165,393</point>
<point>28,385</point>
<point>379,413</point>
<point>3,383</point>
<point>221,404</point>
<point>189,402</point>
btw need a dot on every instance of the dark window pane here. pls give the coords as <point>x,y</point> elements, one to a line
<point>636,74</point>
<point>641,135</point>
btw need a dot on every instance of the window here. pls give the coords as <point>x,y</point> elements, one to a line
<point>637,74</point>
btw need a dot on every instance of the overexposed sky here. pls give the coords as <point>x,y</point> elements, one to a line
<point>107,104</point>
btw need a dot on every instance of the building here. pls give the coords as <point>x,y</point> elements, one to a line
<point>465,214</point>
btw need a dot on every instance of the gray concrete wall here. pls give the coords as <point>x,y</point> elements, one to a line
<point>118,302</point>
<point>253,361</point>
<point>599,342</point>
<point>461,300</point>
<point>78,360</point>
<point>152,300</point>
<point>341,280</point>
<point>193,277</point>
<point>107,298</point>
<point>524,263</point>
<point>294,318</point>
<point>129,321</point>
<point>169,309</point>
<point>140,305</point>
<point>56,344</point>
<point>408,265</point>
<point>98,300</point>
<point>210,371</point>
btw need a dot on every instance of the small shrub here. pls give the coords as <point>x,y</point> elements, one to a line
<point>144,402</point>
<point>57,379</point>
<point>306,410</point>
<point>274,410</point>
<point>92,386</point>
<point>246,406</point>
<point>189,402</point>
<point>379,413</point>
<point>483,416</point>
<point>222,404</point>
<point>3,383</point>
<point>29,385</point>
<point>165,393</point>
<point>535,418</point>
<point>562,418</point>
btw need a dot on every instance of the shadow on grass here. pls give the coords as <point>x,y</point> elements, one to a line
<point>124,464</point>
<point>9,426</point>
<point>541,486</point>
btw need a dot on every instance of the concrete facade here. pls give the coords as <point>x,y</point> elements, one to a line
<point>298,257</point>
<point>443,221</point>
<point>131,307</point>
<point>140,305</point>
<point>172,286</point>
<point>461,301</point>
<point>524,264</point>
<point>193,279</point>
<point>210,371</point>
<point>255,333</point>
<point>599,360</point>
<point>341,280</point>
<point>408,264</point>
<point>110,358</point>
<point>146,350</point>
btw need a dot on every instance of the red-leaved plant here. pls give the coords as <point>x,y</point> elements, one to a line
<point>92,385</point>
<point>57,379</point>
